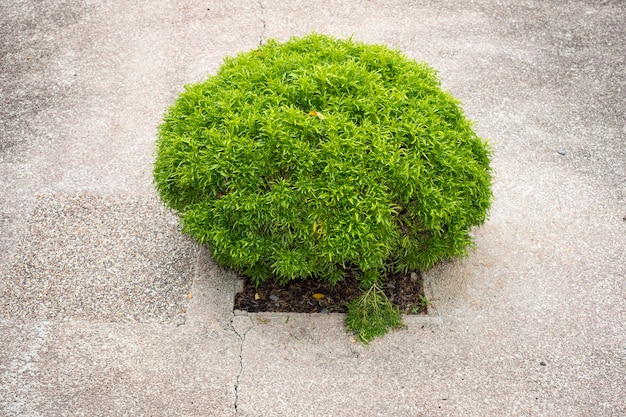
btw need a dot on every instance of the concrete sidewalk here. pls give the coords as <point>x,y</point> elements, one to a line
<point>106,310</point>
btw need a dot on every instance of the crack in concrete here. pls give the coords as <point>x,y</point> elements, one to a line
<point>241,325</point>
<point>262,35</point>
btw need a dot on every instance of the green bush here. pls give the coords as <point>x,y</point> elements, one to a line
<point>305,158</point>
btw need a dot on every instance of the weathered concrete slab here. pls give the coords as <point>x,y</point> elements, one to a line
<point>532,323</point>
<point>90,368</point>
<point>123,367</point>
<point>478,362</point>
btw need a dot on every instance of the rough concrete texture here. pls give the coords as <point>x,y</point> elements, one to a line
<point>106,310</point>
<point>99,258</point>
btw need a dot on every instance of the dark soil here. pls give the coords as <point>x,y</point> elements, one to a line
<point>312,296</point>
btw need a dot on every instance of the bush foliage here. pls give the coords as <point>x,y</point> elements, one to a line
<point>305,158</point>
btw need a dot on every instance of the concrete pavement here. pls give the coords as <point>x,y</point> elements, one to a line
<point>106,310</point>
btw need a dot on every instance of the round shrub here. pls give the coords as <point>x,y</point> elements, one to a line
<point>306,158</point>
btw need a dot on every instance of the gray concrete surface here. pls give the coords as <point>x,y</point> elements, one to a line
<point>106,310</point>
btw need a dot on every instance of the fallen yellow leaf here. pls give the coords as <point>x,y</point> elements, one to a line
<point>318,296</point>
<point>316,113</point>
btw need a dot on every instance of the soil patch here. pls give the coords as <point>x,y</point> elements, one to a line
<point>311,296</point>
